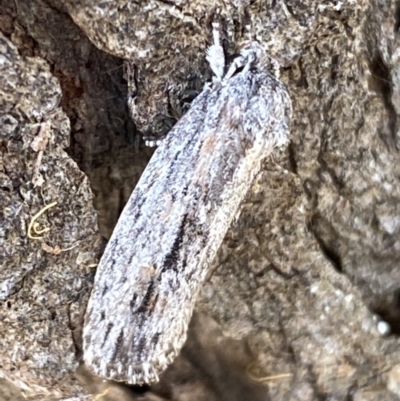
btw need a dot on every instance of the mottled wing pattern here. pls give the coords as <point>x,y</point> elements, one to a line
<point>172,226</point>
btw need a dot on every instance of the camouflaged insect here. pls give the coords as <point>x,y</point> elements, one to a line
<point>176,218</point>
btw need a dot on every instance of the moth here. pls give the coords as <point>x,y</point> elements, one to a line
<point>149,276</point>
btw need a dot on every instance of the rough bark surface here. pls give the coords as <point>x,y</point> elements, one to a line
<point>46,271</point>
<point>292,308</point>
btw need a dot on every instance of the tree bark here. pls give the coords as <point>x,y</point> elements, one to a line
<point>306,282</point>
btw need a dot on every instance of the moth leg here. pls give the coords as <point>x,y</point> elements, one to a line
<point>152,142</point>
<point>215,55</point>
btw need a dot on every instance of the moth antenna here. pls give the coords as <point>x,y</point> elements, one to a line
<point>215,54</point>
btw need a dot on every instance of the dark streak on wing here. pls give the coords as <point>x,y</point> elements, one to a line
<point>131,259</point>
<point>142,346</point>
<point>155,338</point>
<point>105,289</point>
<point>173,255</point>
<point>118,344</point>
<point>175,158</point>
<point>144,306</point>
<point>141,198</point>
<point>109,327</point>
<point>113,260</point>
<point>132,303</point>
